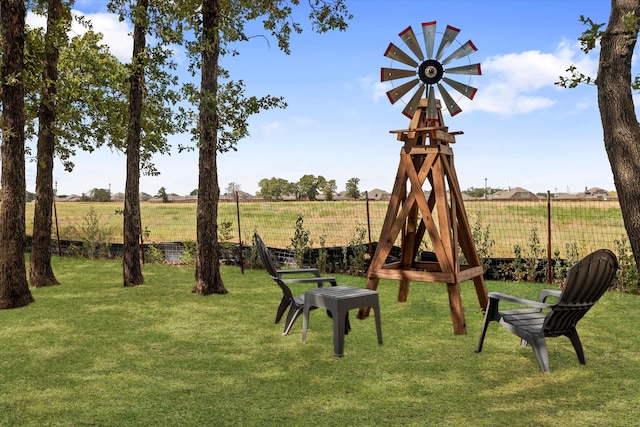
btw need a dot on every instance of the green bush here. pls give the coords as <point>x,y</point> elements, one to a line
<point>300,242</point>
<point>627,276</point>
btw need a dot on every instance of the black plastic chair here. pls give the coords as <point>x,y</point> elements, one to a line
<point>295,304</point>
<point>586,282</point>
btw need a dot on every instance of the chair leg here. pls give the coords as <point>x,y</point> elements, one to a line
<point>293,314</point>
<point>490,315</point>
<point>577,345</point>
<point>282,308</point>
<point>539,346</point>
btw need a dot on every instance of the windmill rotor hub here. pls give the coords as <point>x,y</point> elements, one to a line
<point>430,71</point>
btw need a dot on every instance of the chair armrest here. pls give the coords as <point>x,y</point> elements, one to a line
<point>313,271</point>
<point>545,293</point>
<point>523,301</point>
<point>317,280</point>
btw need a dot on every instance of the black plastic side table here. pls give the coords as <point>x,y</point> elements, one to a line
<point>339,300</point>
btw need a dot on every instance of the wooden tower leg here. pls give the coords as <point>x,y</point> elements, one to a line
<point>457,311</point>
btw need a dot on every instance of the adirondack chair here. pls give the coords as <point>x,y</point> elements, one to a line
<point>585,283</point>
<point>295,304</point>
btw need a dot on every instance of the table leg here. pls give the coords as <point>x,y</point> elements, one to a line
<point>305,322</point>
<point>339,321</point>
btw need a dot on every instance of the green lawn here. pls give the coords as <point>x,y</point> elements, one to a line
<point>91,352</point>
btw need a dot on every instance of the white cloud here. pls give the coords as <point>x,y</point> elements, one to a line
<point>116,34</point>
<point>519,83</point>
<point>270,130</point>
<point>303,120</point>
<point>380,90</point>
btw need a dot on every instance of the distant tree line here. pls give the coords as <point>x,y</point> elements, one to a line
<point>309,187</point>
<point>480,192</point>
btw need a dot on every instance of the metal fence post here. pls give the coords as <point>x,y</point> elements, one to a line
<point>549,259</point>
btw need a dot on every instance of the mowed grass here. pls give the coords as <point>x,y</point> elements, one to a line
<point>91,352</point>
<point>589,225</point>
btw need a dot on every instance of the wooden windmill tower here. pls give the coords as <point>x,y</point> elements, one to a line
<point>426,202</point>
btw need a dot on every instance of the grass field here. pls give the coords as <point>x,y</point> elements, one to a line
<point>588,224</point>
<point>93,353</point>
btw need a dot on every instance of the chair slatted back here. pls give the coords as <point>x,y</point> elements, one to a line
<point>267,262</point>
<point>265,257</point>
<point>586,282</point>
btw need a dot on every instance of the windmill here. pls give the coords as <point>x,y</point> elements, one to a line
<point>413,214</point>
<point>429,73</point>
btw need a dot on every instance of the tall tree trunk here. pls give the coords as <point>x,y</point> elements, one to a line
<point>208,278</point>
<point>619,121</point>
<point>14,288</point>
<point>132,228</point>
<point>40,271</point>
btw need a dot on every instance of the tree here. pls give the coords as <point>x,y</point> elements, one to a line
<point>480,193</point>
<point>619,121</point>
<point>329,189</point>
<point>224,110</point>
<point>615,101</point>
<point>132,220</point>
<point>351,188</point>
<point>40,271</point>
<point>208,278</point>
<point>97,195</point>
<point>273,188</point>
<point>150,115</point>
<point>308,186</point>
<point>232,188</point>
<point>14,288</point>
<point>162,193</point>
<point>90,86</point>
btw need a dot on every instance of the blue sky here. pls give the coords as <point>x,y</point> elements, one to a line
<point>520,130</point>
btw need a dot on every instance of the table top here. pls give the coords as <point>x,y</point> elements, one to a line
<point>341,292</point>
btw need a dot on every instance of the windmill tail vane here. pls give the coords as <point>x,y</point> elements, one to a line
<point>429,72</point>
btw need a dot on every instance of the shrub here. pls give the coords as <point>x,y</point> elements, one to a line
<point>355,254</point>
<point>188,256</point>
<point>93,235</point>
<point>627,276</point>
<point>300,242</point>
<point>483,242</point>
<point>322,263</point>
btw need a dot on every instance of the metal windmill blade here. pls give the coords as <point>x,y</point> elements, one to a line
<point>429,73</point>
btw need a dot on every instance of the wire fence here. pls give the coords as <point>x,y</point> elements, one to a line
<point>565,227</point>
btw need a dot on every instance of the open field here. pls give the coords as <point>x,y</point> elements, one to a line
<point>91,352</point>
<point>588,224</point>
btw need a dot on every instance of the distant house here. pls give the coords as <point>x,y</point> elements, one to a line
<point>594,193</point>
<point>598,194</point>
<point>70,198</point>
<point>144,197</point>
<point>516,193</point>
<point>117,197</point>
<point>376,194</point>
